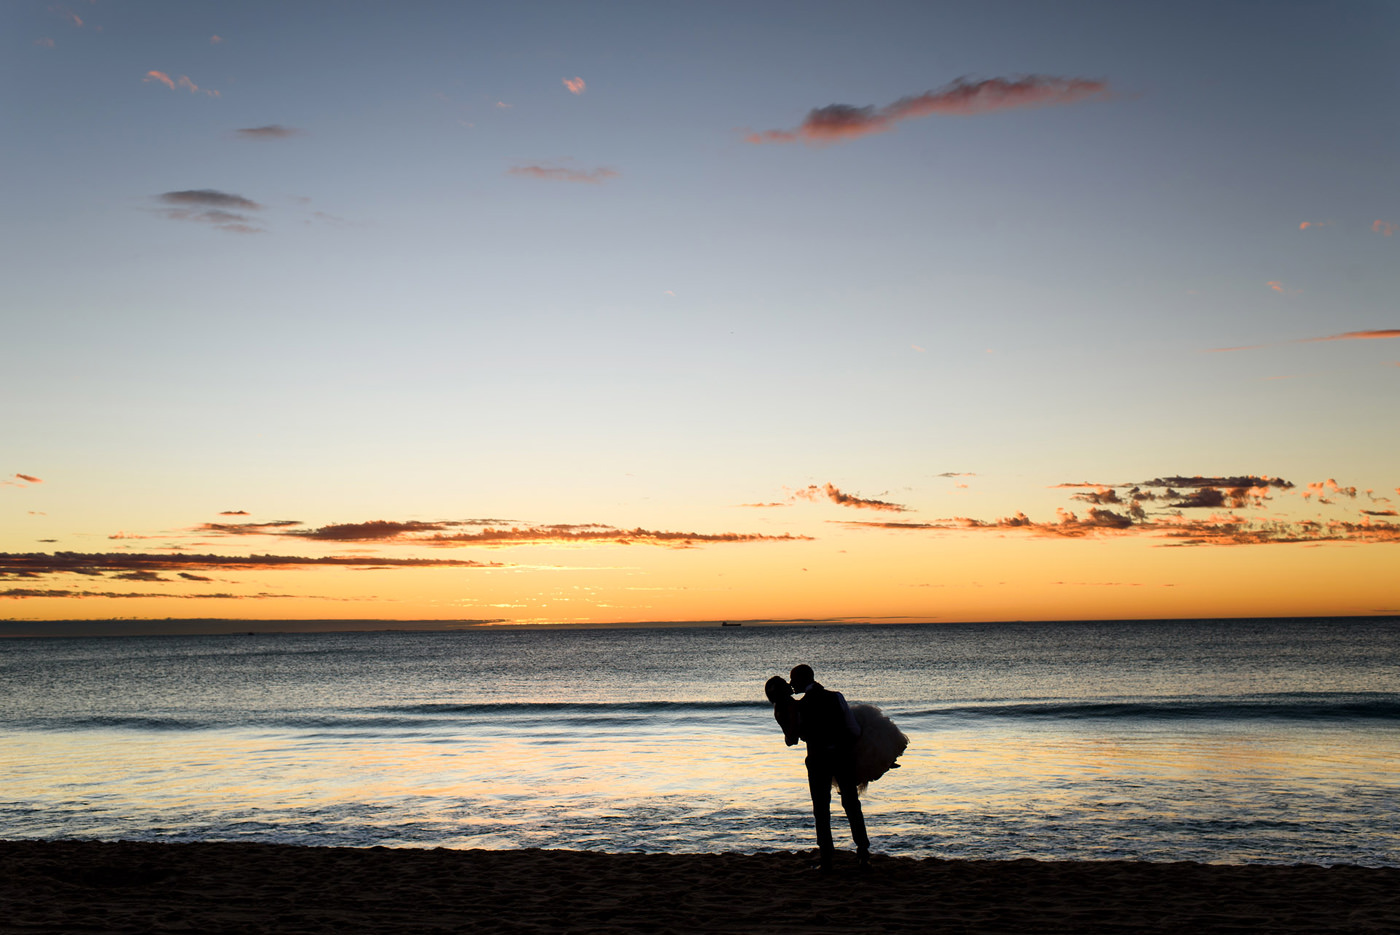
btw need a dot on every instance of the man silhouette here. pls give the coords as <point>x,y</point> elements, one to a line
<point>829,728</point>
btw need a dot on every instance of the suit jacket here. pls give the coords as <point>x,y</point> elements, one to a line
<point>825,720</point>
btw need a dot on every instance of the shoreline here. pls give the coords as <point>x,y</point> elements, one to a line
<point>67,886</point>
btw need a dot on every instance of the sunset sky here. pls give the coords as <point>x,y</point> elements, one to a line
<point>591,313</point>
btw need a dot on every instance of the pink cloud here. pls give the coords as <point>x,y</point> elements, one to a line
<point>1384,228</point>
<point>215,40</point>
<point>563,174</point>
<point>1373,334</point>
<point>575,85</point>
<point>160,76</point>
<point>1275,285</point>
<point>839,122</point>
<point>182,82</point>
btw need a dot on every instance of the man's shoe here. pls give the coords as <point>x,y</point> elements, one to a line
<point>863,859</point>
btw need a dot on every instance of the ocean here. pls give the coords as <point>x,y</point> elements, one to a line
<point>1230,741</point>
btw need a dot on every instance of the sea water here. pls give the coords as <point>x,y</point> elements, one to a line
<point>1260,741</point>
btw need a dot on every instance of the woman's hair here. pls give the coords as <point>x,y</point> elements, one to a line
<point>777,689</point>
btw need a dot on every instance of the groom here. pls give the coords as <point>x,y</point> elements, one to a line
<point>830,731</point>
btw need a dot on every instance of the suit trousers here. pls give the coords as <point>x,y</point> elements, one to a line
<point>822,767</point>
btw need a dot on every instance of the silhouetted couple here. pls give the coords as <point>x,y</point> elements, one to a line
<point>847,747</point>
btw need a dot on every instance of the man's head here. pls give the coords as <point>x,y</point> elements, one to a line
<point>801,676</point>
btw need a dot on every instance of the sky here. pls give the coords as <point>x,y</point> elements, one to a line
<point>622,312</point>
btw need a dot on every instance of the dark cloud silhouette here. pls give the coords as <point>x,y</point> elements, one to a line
<point>1198,481</point>
<point>209,206</point>
<point>373,531</point>
<point>124,564</point>
<point>1224,526</point>
<point>839,122</point>
<point>210,198</point>
<point>273,131</point>
<point>247,529</point>
<point>830,492</point>
<point>65,593</point>
<point>234,513</point>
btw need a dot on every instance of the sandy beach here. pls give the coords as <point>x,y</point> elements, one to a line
<point>236,887</point>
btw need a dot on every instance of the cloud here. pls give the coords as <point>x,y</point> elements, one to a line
<point>1321,488</point>
<point>1227,497</point>
<point>1384,228</point>
<point>21,593</point>
<point>839,122</point>
<point>1275,285</point>
<point>1374,334</point>
<point>183,82</point>
<point>20,480</point>
<point>575,85</point>
<point>208,197</point>
<point>570,534</point>
<point>29,478</point>
<point>45,43</point>
<point>125,564</point>
<point>830,492</point>
<point>1379,334</point>
<point>234,513</point>
<point>273,131</point>
<point>215,40</point>
<point>209,206</point>
<point>563,174</point>
<point>247,529</point>
<point>764,506</point>
<point>160,76</point>
<point>482,532</point>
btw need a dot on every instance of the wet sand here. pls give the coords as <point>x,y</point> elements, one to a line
<point>79,887</point>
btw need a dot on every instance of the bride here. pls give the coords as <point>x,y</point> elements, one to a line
<point>877,748</point>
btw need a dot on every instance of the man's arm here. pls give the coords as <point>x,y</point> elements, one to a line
<point>851,724</point>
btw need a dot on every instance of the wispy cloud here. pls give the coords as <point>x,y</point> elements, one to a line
<point>274,131</point>
<point>1384,228</point>
<point>575,85</point>
<point>209,206</point>
<point>20,480</point>
<point>830,492</point>
<point>563,173</point>
<point>480,532</point>
<point>182,83</point>
<point>45,43</point>
<point>840,122</point>
<point>1373,334</point>
<point>216,40</point>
